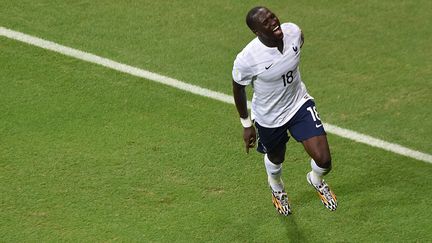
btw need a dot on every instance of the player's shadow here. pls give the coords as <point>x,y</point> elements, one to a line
<point>293,233</point>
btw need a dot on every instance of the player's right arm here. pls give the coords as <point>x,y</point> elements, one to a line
<point>240,99</point>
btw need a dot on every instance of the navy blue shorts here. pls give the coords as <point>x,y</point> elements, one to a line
<point>305,124</point>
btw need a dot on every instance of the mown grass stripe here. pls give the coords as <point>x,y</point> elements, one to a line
<point>88,57</point>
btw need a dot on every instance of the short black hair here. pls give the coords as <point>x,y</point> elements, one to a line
<point>250,17</point>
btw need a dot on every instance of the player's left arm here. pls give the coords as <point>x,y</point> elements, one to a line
<point>301,39</point>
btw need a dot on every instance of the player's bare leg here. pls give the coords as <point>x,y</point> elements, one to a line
<point>318,149</point>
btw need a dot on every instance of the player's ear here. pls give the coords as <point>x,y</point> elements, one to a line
<point>254,30</point>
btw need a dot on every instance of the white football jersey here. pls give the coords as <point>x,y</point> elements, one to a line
<point>278,91</point>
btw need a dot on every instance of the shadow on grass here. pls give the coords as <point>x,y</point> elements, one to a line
<point>293,233</point>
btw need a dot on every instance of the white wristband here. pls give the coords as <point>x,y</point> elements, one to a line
<point>246,122</point>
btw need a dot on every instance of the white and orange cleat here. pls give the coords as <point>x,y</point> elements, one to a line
<point>328,198</point>
<point>281,202</point>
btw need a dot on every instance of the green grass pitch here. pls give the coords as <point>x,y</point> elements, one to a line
<point>88,154</point>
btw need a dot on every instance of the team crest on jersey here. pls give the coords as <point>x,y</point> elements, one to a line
<point>295,49</point>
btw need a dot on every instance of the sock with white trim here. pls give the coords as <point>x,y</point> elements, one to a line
<point>317,173</point>
<point>274,173</point>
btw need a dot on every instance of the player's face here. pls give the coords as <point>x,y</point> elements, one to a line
<point>267,25</point>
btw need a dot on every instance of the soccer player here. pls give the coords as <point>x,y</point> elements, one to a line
<point>280,103</point>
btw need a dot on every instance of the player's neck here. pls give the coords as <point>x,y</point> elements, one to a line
<point>272,43</point>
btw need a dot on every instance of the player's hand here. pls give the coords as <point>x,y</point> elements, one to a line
<point>249,137</point>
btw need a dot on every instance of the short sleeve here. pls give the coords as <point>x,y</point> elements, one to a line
<point>241,73</point>
<point>292,30</point>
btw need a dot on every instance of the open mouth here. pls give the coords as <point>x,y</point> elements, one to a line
<point>277,31</point>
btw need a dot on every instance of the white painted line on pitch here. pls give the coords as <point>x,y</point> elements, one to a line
<point>88,57</point>
<point>375,142</point>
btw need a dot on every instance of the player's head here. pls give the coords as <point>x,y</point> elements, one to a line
<point>264,23</point>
